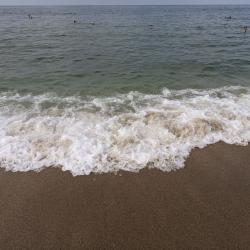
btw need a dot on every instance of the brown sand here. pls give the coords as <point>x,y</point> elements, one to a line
<point>204,206</point>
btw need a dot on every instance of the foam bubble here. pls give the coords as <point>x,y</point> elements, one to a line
<point>123,132</point>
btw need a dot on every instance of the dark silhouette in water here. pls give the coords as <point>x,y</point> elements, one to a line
<point>30,16</point>
<point>228,17</point>
<point>75,21</point>
<point>200,27</point>
<point>244,29</point>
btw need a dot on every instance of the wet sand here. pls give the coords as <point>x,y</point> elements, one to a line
<point>206,205</point>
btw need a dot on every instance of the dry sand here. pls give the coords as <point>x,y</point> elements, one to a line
<point>206,205</point>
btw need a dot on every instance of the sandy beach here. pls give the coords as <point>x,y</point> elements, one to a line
<point>203,206</point>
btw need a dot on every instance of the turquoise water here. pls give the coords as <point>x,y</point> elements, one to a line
<point>118,49</point>
<point>123,88</point>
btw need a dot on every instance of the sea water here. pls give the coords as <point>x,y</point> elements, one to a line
<point>123,88</point>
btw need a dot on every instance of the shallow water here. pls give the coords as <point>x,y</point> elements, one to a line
<point>123,88</point>
<point>119,49</point>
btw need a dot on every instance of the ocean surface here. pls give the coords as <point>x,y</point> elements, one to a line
<point>123,88</point>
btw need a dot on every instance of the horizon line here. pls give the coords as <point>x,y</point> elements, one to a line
<point>188,4</point>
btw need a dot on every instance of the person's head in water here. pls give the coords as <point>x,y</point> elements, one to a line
<point>244,29</point>
<point>74,21</point>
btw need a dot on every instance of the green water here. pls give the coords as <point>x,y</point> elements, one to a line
<point>120,49</point>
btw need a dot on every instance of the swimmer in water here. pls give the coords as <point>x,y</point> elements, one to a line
<point>75,21</point>
<point>244,29</point>
<point>30,16</point>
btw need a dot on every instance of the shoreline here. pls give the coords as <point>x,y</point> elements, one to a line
<point>205,205</point>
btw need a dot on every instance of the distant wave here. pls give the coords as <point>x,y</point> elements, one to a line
<point>124,132</point>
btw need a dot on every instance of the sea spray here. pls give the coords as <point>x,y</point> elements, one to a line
<point>122,132</point>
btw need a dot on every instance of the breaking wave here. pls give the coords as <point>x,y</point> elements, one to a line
<point>124,132</point>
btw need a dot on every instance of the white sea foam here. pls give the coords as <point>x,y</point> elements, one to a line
<point>123,132</point>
